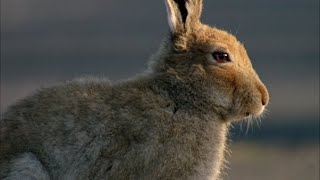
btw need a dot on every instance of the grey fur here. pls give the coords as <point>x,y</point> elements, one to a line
<point>168,123</point>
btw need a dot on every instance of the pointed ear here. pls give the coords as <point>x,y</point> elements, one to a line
<point>194,8</point>
<point>182,14</point>
<point>175,21</point>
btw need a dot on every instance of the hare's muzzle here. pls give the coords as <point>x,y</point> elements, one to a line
<point>262,102</point>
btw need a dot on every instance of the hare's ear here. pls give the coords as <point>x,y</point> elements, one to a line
<point>182,14</point>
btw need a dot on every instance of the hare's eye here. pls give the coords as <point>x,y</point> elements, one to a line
<point>220,57</point>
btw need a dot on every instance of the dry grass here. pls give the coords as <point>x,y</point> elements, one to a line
<point>273,162</point>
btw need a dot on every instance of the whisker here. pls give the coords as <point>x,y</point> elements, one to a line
<point>241,123</point>
<point>258,121</point>
<point>249,123</point>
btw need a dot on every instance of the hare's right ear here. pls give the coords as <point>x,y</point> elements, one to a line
<point>182,14</point>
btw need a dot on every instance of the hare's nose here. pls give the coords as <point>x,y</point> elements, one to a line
<point>264,95</point>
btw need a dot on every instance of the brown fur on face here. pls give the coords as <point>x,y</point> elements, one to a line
<point>236,83</point>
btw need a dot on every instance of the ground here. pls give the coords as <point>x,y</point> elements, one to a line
<point>251,161</point>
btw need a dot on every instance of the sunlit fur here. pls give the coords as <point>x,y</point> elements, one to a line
<point>168,123</point>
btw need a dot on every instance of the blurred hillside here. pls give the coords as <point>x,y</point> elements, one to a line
<point>44,42</point>
<point>48,41</point>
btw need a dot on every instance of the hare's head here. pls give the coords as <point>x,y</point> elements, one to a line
<point>212,58</point>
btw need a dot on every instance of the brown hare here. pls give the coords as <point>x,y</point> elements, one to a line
<point>169,123</point>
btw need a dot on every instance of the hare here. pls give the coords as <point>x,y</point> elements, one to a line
<point>170,122</point>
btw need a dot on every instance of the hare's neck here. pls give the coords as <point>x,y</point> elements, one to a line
<point>189,96</point>
<point>194,106</point>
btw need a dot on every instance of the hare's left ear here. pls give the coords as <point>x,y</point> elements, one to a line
<point>183,14</point>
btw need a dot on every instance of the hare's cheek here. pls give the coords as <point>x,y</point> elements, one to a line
<point>226,79</point>
<point>198,71</point>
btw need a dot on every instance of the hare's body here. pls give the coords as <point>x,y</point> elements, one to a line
<point>132,130</point>
<point>170,123</point>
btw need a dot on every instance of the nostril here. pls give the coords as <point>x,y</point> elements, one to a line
<point>264,95</point>
<point>265,99</point>
<point>263,102</point>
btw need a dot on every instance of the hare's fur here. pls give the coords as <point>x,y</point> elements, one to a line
<point>168,123</point>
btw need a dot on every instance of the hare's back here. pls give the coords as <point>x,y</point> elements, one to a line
<point>56,121</point>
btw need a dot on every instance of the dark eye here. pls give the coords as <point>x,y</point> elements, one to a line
<point>221,57</point>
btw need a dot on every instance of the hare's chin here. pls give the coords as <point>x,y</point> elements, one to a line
<point>243,116</point>
<point>262,110</point>
<point>256,114</point>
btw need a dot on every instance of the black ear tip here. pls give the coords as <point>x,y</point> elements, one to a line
<point>180,1</point>
<point>182,8</point>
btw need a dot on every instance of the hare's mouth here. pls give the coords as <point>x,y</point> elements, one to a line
<point>238,115</point>
<point>256,112</point>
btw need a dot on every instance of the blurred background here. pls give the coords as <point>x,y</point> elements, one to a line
<point>44,42</point>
